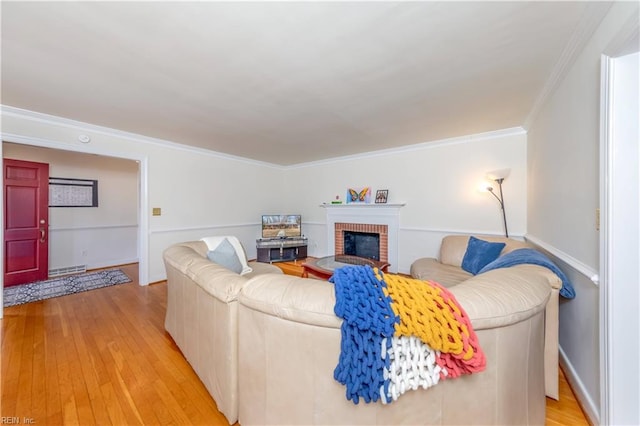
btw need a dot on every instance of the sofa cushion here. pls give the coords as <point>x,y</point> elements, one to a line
<point>259,268</point>
<point>300,300</point>
<point>428,268</point>
<point>479,254</point>
<point>227,252</point>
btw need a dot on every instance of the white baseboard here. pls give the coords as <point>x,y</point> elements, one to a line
<point>588,406</point>
<point>111,263</point>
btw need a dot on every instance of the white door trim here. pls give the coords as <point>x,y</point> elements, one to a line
<point>619,241</point>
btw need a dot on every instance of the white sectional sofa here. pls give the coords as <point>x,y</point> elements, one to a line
<point>266,345</point>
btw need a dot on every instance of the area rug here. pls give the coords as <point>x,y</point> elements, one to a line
<point>55,287</point>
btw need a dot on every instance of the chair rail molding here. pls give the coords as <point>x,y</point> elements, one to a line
<point>579,266</point>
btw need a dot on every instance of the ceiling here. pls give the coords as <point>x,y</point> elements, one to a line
<point>289,82</point>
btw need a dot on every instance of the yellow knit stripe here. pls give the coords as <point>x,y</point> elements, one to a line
<point>425,313</point>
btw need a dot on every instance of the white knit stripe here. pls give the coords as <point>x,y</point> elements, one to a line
<point>412,364</point>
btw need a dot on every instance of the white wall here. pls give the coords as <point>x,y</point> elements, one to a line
<point>93,236</point>
<point>201,193</point>
<point>563,195</point>
<point>438,181</point>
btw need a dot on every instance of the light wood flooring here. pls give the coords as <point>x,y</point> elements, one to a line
<point>103,357</point>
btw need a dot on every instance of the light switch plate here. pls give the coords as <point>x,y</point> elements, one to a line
<point>157,211</point>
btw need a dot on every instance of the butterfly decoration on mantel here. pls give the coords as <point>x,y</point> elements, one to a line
<point>362,195</point>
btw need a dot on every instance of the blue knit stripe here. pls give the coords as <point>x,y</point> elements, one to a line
<point>367,320</point>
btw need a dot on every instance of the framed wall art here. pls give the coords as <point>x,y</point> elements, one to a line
<point>381,196</point>
<point>65,192</point>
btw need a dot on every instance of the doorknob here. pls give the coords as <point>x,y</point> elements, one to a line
<point>42,232</point>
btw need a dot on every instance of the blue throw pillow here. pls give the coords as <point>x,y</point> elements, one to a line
<point>479,254</point>
<point>225,255</point>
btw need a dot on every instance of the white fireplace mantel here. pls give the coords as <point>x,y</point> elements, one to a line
<point>376,214</point>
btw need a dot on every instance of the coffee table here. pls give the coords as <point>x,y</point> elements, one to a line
<point>323,267</point>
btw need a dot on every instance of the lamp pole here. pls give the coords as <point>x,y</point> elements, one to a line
<point>501,201</point>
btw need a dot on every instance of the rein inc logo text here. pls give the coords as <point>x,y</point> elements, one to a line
<point>5,420</point>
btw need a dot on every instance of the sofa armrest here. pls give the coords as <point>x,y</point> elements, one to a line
<point>190,259</point>
<point>504,296</point>
<point>214,279</point>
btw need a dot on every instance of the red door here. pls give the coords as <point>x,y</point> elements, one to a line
<point>26,218</point>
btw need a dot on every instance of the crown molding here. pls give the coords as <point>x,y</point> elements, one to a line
<point>627,40</point>
<point>593,14</point>
<point>82,127</point>
<point>513,131</point>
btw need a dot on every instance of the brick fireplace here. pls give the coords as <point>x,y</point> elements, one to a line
<point>381,230</point>
<point>383,219</point>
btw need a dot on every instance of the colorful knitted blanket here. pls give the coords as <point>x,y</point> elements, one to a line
<point>399,334</point>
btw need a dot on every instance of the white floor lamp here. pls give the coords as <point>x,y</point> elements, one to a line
<point>498,176</point>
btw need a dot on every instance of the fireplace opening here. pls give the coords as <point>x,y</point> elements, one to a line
<point>362,244</point>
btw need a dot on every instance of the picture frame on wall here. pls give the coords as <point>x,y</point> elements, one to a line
<point>68,192</point>
<point>381,196</point>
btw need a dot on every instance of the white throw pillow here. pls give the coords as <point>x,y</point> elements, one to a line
<point>228,252</point>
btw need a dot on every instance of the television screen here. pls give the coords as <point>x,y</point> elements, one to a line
<point>281,225</point>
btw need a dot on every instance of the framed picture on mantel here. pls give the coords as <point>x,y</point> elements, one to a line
<point>381,196</point>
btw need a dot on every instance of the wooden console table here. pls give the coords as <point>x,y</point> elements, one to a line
<point>293,267</point>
